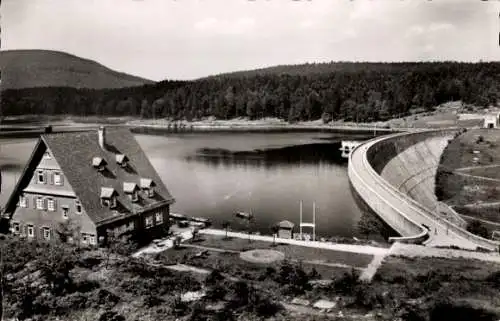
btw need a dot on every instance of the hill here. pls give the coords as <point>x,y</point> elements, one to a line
<point>361,92</point>
<point>45,68</point>
<point>319,68</point>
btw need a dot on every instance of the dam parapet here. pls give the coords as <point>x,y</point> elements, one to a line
<point>395,176</point>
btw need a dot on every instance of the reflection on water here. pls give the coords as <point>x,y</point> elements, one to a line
<point>306,154</point>
<point>214,175</point>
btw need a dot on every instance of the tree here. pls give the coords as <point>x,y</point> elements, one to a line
<point>275,229</point>
<point>118,245</point>
<point>68,231</point>
<point>177,241</point>
<point>195,232</point>
<point>225,226</point>
<point>55,263</point>
<point>476,227</point>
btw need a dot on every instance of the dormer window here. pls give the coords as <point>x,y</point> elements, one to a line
<point>108,197</point>
<point>122,160</point>
<point>131,190</point>
<point>148,186</point>
<point>99,163</point>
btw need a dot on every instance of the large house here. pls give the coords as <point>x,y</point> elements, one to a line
<point>81,186</point>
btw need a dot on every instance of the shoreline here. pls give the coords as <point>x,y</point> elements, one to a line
<point>33,122</point>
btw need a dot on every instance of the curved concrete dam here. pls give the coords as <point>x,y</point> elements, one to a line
<point>395,177</point>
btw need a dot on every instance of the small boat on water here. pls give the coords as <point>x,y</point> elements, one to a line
<point>178,216</point>
<point>244,215</point>
<point>200,220</point>
<point>198,224</point>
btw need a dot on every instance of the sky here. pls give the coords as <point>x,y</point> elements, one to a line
<point>188,39</point>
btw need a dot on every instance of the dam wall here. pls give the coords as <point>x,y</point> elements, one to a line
<point>395,176</point>
<point>410,162</point>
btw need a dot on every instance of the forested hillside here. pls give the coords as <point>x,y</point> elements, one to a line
<point>350,91</point>
<point>44,68</point>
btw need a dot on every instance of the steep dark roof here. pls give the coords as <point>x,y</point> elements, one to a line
<point>75,151</point>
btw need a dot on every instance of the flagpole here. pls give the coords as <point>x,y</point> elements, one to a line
<point>300,219</point>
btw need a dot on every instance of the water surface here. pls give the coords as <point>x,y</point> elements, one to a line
<point>216,174</point>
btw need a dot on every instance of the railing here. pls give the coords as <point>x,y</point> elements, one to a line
<point>421,234</point>
<point>423,211</point>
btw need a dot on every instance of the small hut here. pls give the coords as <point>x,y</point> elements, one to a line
<point>285,229</point>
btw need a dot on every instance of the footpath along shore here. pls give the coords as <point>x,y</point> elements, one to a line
<point>362,249</point>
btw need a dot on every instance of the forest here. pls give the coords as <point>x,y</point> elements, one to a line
<point>360,92</point>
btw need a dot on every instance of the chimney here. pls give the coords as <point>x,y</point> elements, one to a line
<point>102,136</point>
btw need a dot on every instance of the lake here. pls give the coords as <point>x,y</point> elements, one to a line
<point>215,175</point>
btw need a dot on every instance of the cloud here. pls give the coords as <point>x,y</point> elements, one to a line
<point>186,39</point>
<point>225,27</point>
<point>414,31</point>
<point>306,24</point>
<point>441,26</point>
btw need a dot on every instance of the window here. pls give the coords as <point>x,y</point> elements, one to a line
<point>47,155</point>
<point>23,202</point>
<point>51,205</point>
<point>31,231</point>
<point>149,221</point>
<point>41,177</point>
<point>92,239</point>
<point>40,203</point>
<point>78,207</point>
<point>84,238</point>
<point>151,192</point>
<point>159,218</point>
<point>16,228</point>
<point>111,203</point>
<point>65,211</point>
<point>58,180</point>
<point>46,233</point>
<point>134,196</point>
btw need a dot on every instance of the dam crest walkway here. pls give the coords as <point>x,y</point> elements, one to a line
<point>377,168</point>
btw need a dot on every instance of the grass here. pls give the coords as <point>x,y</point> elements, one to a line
<point>488,213</point>
<point>431,281</point>
<point>491,172</point>
<point>459,190</point>
<point>231,263</point>
<point>293,252</point>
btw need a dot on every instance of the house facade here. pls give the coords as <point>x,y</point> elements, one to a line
<point>491,121</point>
<point>79,187</point>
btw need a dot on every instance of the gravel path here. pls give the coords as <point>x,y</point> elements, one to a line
<point>363,249</point>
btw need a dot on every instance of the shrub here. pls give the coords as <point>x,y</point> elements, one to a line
<point>214,277</point>
<point>476,227</point>
<point>84,286</point>
<point>446,311</point>
<point>367,297</point>
<point>89,262</point>
<point>293,277</point>
<point>104,297</point>
<point>347,283</point>
<point>326,118</point>
<point>494,279</point>
<point>111,316</point>
<point>152,301</point>
<point>216,292</point>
